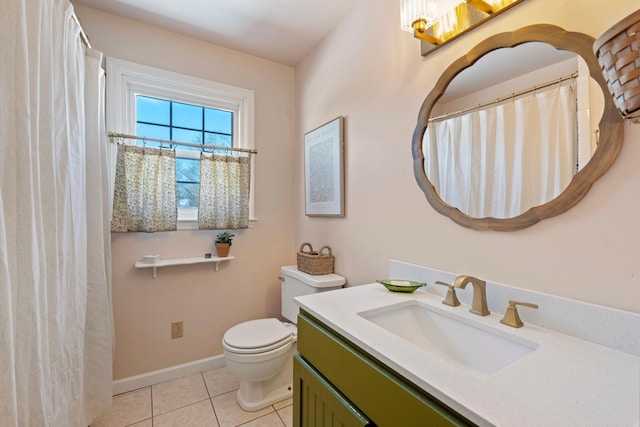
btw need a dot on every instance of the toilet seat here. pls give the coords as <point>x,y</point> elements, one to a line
<point>257,336</point>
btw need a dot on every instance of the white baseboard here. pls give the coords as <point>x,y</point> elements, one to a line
<point>144,380</point>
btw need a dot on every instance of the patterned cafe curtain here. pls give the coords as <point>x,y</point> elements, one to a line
<point>145,190</point>
<point>224,191</point>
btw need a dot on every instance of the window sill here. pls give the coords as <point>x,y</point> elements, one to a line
<point>192,224</point>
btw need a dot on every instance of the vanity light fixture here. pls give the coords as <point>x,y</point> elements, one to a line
<point>437,22</point>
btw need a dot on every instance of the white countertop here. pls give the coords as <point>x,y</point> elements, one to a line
<point>564,382</point>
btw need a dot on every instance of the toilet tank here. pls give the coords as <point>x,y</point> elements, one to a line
<point>296,283</point>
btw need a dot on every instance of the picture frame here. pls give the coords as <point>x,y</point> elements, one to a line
<point>324,169</point>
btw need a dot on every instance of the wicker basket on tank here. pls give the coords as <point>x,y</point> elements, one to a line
<point>313,262</point>
<point>618,52</point>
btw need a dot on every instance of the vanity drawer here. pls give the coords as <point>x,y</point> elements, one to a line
<point>385,397</point>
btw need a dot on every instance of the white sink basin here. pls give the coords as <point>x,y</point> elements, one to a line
<point>465,343</point>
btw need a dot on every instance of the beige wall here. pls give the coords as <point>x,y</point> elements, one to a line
<point>208,302</point>
<point>370,72</point>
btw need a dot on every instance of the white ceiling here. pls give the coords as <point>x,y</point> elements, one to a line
<point>283,31</point>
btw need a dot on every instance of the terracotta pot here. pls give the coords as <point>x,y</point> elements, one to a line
<point>223,249</point>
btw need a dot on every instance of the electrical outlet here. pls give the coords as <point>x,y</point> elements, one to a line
<point>176,330</point>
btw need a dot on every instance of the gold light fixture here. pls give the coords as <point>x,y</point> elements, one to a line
<point>437,22</point>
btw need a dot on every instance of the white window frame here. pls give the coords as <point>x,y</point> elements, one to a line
<point>127,79</point>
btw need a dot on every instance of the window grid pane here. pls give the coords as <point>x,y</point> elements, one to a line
<point>187,170</point>
<point>153,110</point>
<point>186,115</point>
<point>218,121</point>
<point>188,195</point>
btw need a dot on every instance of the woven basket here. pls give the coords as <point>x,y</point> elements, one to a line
<point>315,262</point>
<point>618,52</point>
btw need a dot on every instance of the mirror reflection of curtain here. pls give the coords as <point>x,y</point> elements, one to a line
<point>145,190</point>
<point>224,192</point>
<point>503,160</point>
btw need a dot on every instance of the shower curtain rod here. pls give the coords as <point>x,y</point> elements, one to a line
<point>499,100</point>
<point>115,135</point>
<point>83,35</point>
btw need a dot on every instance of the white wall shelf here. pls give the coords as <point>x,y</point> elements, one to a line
<point>181,261</point>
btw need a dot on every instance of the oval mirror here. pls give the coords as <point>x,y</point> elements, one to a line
<point>506,137</point>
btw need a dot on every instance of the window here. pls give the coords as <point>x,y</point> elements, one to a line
<point>177,121</point>
<point>159,104</point>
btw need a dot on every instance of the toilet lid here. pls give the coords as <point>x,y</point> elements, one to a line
<point>257,334</point>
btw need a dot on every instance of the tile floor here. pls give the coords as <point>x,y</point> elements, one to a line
<point>207,399</point>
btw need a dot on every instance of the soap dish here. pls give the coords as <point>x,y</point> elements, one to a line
<point>406,286</point>
<point>151,259</point>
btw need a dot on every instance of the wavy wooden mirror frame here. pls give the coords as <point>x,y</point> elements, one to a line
<point>610,128</point>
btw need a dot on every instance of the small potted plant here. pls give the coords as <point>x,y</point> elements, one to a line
<point>223,243</point>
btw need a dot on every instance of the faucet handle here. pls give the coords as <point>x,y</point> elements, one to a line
<point>451,298</point>
<point>511,317</point>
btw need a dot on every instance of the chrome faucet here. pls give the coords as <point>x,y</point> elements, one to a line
<point>479,305</point>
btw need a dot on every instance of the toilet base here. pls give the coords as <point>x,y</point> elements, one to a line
<point>253,396</point>
<point>274,396</point>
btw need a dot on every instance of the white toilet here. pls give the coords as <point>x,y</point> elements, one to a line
<point>260,352</point>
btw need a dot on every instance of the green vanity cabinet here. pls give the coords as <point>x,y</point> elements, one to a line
<point>355,388</point>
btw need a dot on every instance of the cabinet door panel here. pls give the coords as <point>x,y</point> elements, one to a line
<point>317,403</point>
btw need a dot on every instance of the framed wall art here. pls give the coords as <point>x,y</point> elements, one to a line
<point>324,170</point>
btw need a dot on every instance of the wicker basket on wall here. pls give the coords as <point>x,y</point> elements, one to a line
<point>313,262</point>
<point>618,53</point>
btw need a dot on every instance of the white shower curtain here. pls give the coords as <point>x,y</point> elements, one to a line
<point>55,303</point>
<point>501,161</point>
